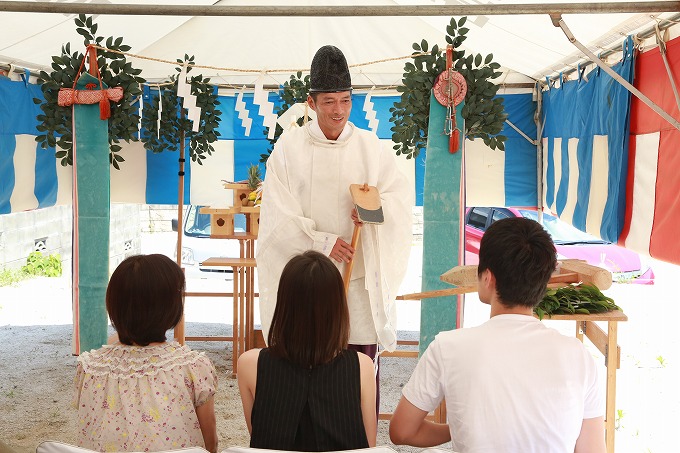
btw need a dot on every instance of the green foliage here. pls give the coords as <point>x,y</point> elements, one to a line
<point>619,417</point>
<point>293,91</point>
<point>39,265</point>
<point>36,265</point>
<point>175,126</point>
<point>254,176</point>
<point>574,299</point>
<point>10,277</point>
<point>484,115</point>
<point>56,122</point>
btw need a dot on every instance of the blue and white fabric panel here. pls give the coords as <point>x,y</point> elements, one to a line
<point>505,178</point>
<point>28,174</point>
<point>585,144</point>
<point>369,111</point>
<point>32,178</point>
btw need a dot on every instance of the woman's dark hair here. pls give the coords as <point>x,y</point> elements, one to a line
<point>145,298</point>
<point>311,320</point>
<point>521,256</point>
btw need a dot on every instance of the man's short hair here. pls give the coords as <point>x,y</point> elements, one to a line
<point>521,256</point>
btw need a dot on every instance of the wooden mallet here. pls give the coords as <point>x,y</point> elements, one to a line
<point>366,200</point>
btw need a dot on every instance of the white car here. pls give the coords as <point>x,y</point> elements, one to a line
<point>198,246</point>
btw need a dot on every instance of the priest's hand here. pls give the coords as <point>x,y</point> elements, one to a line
<point>342,251</point>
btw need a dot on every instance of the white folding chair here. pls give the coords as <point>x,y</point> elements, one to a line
<point>54,446</point>
<point>262,450</point>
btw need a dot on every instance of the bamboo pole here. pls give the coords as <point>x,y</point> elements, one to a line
<point>179,328</point>
<point>340,11</point>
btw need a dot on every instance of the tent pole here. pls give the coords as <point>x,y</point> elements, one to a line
<point>179,328</point>
<point>340,11</point>
<point>667,23</point>
<point>538,115</point>
<point>661,41</point>
<point>559,22</point>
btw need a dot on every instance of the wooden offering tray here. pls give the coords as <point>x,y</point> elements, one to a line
<point>240,191</point>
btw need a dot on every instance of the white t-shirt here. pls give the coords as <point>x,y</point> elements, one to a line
<point>511,385</point>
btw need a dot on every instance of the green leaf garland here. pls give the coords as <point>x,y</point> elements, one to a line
<point>483,113</point>
<point>174,125</point>
<point>56,122</point>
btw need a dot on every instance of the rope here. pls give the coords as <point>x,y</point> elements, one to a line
<point>284,70</point>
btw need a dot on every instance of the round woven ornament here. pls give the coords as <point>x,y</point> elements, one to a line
<point>457,88</point>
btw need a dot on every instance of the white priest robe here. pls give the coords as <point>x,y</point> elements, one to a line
<point>306,204</point>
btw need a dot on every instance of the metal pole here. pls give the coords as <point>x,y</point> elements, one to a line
<point>538,115</point>
<point>339,11</point>
<point>666,23</point>
<point>559,22</point>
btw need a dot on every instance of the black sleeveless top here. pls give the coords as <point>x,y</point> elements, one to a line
<point>300,409</point>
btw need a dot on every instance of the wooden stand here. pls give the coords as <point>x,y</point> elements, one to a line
<point>606,343</point>
<point>252,214</point>
<point>243,266</point>
<point>243,299</point>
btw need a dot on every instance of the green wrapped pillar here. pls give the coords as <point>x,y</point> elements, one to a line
<point>91,200</point>
<point>441,223</point>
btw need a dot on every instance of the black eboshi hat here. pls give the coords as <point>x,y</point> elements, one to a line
<point>329,72</point>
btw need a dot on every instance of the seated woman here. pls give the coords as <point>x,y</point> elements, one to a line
<point>142,393</point>
<point>307,391</point>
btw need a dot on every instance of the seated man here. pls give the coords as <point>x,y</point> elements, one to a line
<point>511,384</point>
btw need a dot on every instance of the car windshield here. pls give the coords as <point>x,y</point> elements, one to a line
<point>197,224</point>
<point>561,232</point>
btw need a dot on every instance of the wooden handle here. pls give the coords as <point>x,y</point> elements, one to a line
<point>348,266</point>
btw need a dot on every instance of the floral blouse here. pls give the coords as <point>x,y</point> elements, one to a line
<point>142,398</point>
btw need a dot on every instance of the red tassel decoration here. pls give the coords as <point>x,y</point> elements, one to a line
<point>104,109</point>
<point>454,139</point>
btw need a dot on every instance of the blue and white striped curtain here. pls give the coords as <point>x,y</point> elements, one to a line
<point>32,178</point>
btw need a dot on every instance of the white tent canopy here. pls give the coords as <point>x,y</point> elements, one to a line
<point>528,46</point>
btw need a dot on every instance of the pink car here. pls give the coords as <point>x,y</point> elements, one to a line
<point>625,265</point>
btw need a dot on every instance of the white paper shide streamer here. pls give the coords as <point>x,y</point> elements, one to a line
<point>160,112</point>
<point>266,109</point>
<point>371,115</point>
<point>288,119</point>
<point>141,110</point>
<point>189,100</point>
<point>246,121</point>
